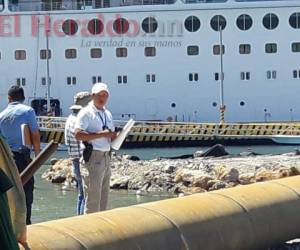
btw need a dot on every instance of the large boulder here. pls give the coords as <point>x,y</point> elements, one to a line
<point>202,181</point>
<point>287,171</point>
<point>218,185</point>
<point>169,169</point>
<point>263,174</point>
<point>119,182</point>
<point>247,178</point>
<point>230,175</point>
<point>186,176</point>
<point>215,151</point>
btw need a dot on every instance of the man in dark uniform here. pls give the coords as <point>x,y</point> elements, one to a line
<point>11,120</point>
<point>8,239</point>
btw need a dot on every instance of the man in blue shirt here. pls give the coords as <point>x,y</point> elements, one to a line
<point>11,120</point>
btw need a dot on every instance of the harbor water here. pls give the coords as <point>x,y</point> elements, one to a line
<point>51,201</point>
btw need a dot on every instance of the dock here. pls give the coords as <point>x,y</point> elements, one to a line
<point>169,134</point>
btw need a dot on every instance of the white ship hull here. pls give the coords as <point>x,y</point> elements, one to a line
<point>172,94</point>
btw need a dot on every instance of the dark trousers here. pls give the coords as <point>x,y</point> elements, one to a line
<point>22,160</point>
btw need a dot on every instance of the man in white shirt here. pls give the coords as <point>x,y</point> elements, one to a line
<point>95,125</point>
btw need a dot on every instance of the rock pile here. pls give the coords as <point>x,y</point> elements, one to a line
<point>191,175</point>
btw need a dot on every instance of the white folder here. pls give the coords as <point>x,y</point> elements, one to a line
<point>117,143</point>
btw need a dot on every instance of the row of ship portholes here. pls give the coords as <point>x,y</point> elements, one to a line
<point>120,26</point>
<point>214,104</point>
<point>192,24</point>
<point>244,22</point>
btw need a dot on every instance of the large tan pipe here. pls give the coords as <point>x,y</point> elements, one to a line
<point>246,217</point>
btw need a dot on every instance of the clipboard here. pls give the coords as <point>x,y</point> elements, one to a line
<point>26,135</point>
<point>117,143</point>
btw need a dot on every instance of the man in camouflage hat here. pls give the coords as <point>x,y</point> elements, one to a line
<point>80,100</point>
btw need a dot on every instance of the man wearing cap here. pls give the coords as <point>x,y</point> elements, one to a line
<point>95,126</point>
<point>81,99</point>
<point>11,119</point>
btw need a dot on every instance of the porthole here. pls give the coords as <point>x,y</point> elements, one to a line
<point>70,27</point>
<point>173,105</point>
<point>218,22</point>
<point>270,21</point>
<point>121,25</point>
<point>149,25</point>
<point>192,23</point>
<point>242,103</point>
<point>295,20</point>
<point>244,22</point>
<point>95,26</point>
<point>214,104</point>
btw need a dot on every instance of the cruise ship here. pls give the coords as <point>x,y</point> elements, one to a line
<point>162,59</point>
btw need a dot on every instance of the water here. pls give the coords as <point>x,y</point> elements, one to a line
<point>51,202</point>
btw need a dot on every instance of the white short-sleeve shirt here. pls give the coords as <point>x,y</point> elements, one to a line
<point>93,120</point>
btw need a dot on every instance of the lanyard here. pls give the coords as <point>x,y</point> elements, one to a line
<point>104,121</point>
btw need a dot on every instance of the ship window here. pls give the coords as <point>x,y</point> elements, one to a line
<point>218,22</point>
<point>122,79</point>
<point>270,21</point>
<point>20,55</point>
<point>244,22</point>
<point>21,81</point>
<point>96,53</point>
<point>150,51</point>
<point>45,54</point>
<point>245,76</point>
<point>95,26</point>
<point>217,49</point>
<point>121,26</point>
<point>296,74</point>
<point>245,49</point>
<point>192,23</point>
<point>150,78</point>
<point>193,77</point>
<point>173,105</point>
<point>242,103</point>
<point>44,80</point>
<point>271,48</point>
<point>271,74</point>
<point>96,79</point>
<point>70,53</point>
<point>214,104</point>
<point>296,47</point>
<point>149,25</point>
<point>121,52</point>
<point>193,50</point>
<point>218,76</point>
<point>295,20</point>
<point>71,80</point>
<point>70,27</point>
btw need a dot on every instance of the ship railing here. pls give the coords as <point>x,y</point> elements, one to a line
<point>51,123</point>
<point>189,129</point>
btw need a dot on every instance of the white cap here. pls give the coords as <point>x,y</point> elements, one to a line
<point>98,87</point>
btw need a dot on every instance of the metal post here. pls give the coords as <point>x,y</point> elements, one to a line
<point>48,74</point>
<point>222,105</point>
